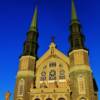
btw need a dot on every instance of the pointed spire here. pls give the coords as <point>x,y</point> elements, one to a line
<point>33,26</point>
<point>74,15</point>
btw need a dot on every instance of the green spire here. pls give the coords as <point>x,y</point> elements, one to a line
<point>34,21</point>
<point>74,15</point>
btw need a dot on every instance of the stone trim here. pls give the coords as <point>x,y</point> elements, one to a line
<point>25,73</point>
<point>80,67</point>
<point>27,57</point>
<point>78,51</point>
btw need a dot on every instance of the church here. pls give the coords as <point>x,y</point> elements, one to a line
<point>55,76</point>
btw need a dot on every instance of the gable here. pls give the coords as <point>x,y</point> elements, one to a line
<point>52,53</point>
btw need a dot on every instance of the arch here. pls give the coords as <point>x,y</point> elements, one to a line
<point>48,99</point>
<point>37,99</point>
<point>61,99</point>
<point>82,98</point>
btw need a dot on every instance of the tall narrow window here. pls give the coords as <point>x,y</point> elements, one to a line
<point>81,85</point>
<point>43,76</point>
<point>52,75</point>
<point>62,74</point>
<point>21,87</point>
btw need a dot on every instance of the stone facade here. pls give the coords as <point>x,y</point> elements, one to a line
<point>55,76</point>
<point>75,82</point>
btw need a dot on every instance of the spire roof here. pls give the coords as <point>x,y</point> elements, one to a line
<point>33,26</point>
<point>74,15</point>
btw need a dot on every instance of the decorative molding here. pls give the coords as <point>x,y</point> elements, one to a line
<point>80,67</point>
<point>25,73</point>
<point>62,80</point>
<point>81,50</point>
<point>24,57</point>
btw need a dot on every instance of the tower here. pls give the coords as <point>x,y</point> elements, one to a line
<point>82,84</point>
<point>26,73</point>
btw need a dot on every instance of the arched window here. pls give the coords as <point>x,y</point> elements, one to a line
<point>61,99</point>
<point>43,76</point>
<point>52,75</point>
<point>62,74</point>
<point>48,99</point>
<point>21,85</point>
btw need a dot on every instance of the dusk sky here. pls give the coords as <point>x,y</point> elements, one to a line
<point>53,20</point>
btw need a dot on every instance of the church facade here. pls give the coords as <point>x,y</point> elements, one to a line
<point>55,76</point>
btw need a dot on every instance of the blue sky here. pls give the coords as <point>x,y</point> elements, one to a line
<point>54,20</point>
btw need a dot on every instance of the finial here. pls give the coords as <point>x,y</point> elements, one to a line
<point>34,20</point>
<point>52,39</point>
<point>52,45</point>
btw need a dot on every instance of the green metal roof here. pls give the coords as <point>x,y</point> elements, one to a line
<point>33,26</point>
<point>74,15</point>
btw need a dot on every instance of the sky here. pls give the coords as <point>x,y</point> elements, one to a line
<point>53,20</point>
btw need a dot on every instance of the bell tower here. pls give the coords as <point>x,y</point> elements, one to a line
<point>27,64</point>
<point>82,85</point>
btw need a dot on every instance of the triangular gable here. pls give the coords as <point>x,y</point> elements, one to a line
<point>52,51</point>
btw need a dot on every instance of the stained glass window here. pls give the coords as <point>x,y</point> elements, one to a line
<point>52,75</point>
<point>43,76</point>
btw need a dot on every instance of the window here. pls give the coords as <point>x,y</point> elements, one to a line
<point>52,64</point>
<point>21,87</point>
<point>81,85</point>
<point>43,76</point>
<point>62,74</point>
<point>52,75</point>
